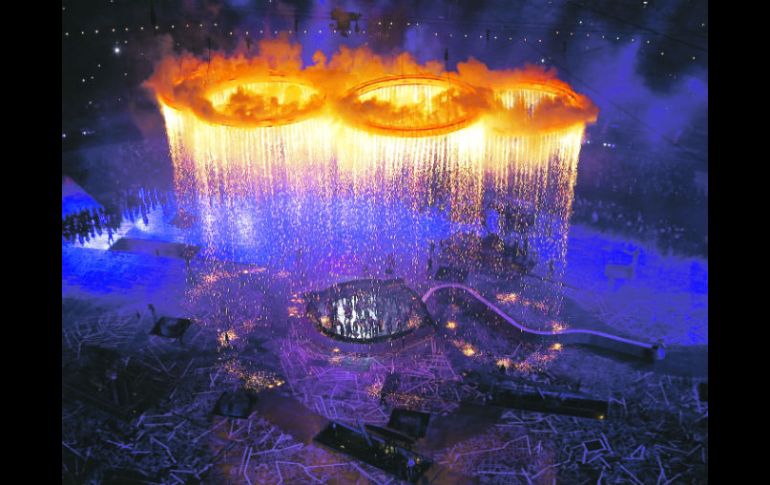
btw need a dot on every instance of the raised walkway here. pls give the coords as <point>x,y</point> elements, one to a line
<point>570,336</point>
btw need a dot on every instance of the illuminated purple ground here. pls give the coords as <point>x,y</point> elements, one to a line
<point>173,436</point>
<point>643,171</point>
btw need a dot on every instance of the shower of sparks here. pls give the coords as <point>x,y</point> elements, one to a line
<point>536,362</point>
<point>226,337</point>
<point>340,164</point>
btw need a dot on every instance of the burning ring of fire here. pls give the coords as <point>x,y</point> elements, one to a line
<point>538,108</point>
<point>411,105</point>
<point>386,96</point>
<point>268,101</point>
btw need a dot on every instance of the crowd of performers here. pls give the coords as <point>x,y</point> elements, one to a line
<point>364,317</point>
<point>367,313</point>
<point>93,222</point>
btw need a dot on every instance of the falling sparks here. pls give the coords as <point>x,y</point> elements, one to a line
<point>373,129</point>
<point>374,390</point>
<point>256,270</point>
<point>469,350</point>
<point>248,325</point>
<point>466,348</point>
<point>540,306</point>
<point>227,337</point>
<point>535,362</point>
<point>254,381</point>
<point>260,381</point>
<point>538,361</point>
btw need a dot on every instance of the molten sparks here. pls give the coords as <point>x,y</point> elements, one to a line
<point>538,361</point>
<point>225,338</point>
<point>414,322</point>
<point>363,125</point>
<point>558,327</point>
<point>468,350</point>
<point>254,270</point>
<point>451,325</point>
<point>507,297</point>
<point>375,389</point>
<point>294,311</point>
<point>254,381</point>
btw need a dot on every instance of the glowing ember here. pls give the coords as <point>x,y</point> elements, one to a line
<point>254,381</point>
<point>414,322</point>
<point>538,361</point>
<point>507,297</point>
<point>451,324</point>
<point>253,270</point>
<point>374,390</point>
<point>558,326</point>
<point>294,311</point>
<point>468,350</point>
<point>225,338</point>
<point>538,305</point>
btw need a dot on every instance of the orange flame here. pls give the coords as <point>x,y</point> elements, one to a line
<point>396,95</point>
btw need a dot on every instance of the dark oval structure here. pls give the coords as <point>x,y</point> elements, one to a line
<point>367,310</point>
